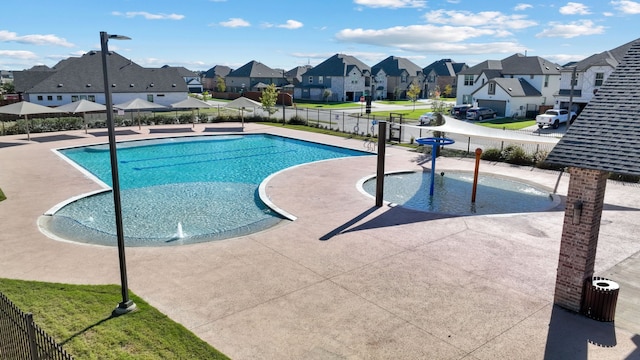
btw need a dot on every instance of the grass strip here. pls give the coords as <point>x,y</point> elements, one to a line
<point>79,318</point>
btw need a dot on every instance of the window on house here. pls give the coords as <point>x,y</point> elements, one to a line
<point>40,98</point>
<point>320,79</point>
<point>49,97</point>
<point>310,79</point>
<point>150,97</point>
<point>531,76</point>
<point>599,79</point>
<point>492,88</point>
<point>91,98</point>
<point>403,78</point>
<point>59,97</point>
<point>468,80</point>
<point>74,98</point>
<point>546,81</point>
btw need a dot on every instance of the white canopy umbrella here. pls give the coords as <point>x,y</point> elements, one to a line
<point>193,104</point>
<point>82,106</point>
<point>242,103</point>
<point>25,108</point>
<point>138,104</point>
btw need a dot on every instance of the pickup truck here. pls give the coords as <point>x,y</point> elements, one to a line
<point>554,117</point>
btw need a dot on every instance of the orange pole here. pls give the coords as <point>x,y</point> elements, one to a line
<point>475,175</point>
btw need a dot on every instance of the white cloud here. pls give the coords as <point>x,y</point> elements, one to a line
<point>627,7</point>
<point>18,54</point>
<point>148,16</point>
<point>488,19</point>
<point>394,4</point>
<point>291,24</point>
<point>571,30</point>
<point>574,8</point>
<point>430,38</point>
<point>521,7</point>
<point>235,22</point>
<point>35,39</point>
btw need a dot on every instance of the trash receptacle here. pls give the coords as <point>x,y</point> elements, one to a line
<point>599,300</point>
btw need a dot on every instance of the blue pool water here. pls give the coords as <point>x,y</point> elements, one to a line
<point>453,190</point>
<point>183,190</point>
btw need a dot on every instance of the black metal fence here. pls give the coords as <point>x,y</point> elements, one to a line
<point>21,338</point>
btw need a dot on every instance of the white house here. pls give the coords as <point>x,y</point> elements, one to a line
<point>528,73</point>
<point>79,78</point>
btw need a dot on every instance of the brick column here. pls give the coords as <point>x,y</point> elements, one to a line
<point>579,235</point>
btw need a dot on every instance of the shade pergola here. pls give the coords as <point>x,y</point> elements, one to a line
<point>192,104</point>
<point>25,108</point>
<point>82,106</point>
<point>138,104</point>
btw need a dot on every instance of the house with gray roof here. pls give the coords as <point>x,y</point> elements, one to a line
<point>604,139</point>
<point>588,76</point>
<point>479,85</point>
<point>400,74</point>
<point>191,78</point>
<point>253,76</point>
<point>211,76</point>
<point>79,78</point>
<point>344,76</point>
<point>440,74</point>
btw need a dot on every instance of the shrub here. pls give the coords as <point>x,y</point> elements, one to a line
<point>297,120</point>
<point>492,154</point>
<point>513,154</point>
<point>624,177</point>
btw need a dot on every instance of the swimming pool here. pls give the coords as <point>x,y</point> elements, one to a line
<point>182,190</point>
<point>453,190</point>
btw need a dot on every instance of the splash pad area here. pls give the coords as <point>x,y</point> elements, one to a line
<point>453,191</point>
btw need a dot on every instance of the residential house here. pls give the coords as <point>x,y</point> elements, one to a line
<point>294,76</point>
<point>78,78</point>
<point>401,73</point>
<point>211,76</point>
<point>534,82</point>
<point>342,76</point>
<point>589,75</point>
<point>6,77</point>
<point>253,76</point>
<point>191,78</point>
<point>441,75</point>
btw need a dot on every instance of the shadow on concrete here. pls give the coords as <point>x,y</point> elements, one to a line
<point>5,145</point>
<point>50,138</point>
<point>395,216</point>
<point>117,132</point>
<point>224,129</point>
<point>169,130</point>
<point>570,333</point>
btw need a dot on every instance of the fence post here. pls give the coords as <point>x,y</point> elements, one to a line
<point>31,336</point>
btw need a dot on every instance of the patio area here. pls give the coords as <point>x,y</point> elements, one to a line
<point>345,280</point>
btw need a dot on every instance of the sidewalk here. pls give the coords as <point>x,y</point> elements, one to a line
<point>346,280</point>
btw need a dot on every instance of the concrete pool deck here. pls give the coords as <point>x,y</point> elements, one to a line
<point>345,280</point>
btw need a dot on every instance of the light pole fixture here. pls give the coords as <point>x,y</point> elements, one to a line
<point>126,305</point>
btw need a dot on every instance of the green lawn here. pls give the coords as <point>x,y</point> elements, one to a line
<point>407,114</point>
<point>79,318</point>
<point>507,123</point>
<point>327,105</point>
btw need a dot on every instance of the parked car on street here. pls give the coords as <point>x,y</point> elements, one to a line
<point>428,118</point>
<point>554,117</point>
<point>460,111</point>
<point>480,113</point>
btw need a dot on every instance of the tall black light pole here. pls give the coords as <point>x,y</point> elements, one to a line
<point>126,305</point>
<point>573,83</point>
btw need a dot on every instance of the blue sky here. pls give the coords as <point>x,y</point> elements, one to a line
<point>199,34</point>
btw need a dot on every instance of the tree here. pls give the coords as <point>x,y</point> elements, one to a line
<point>413,93</point>
<point>220,85</point>
<point>7,88</point>
<point>327,94</point>
<point>269,98</point>
<point>448,90</point>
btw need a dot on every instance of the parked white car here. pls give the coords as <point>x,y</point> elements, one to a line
<point>428,118</point>
<point>554,117</point>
